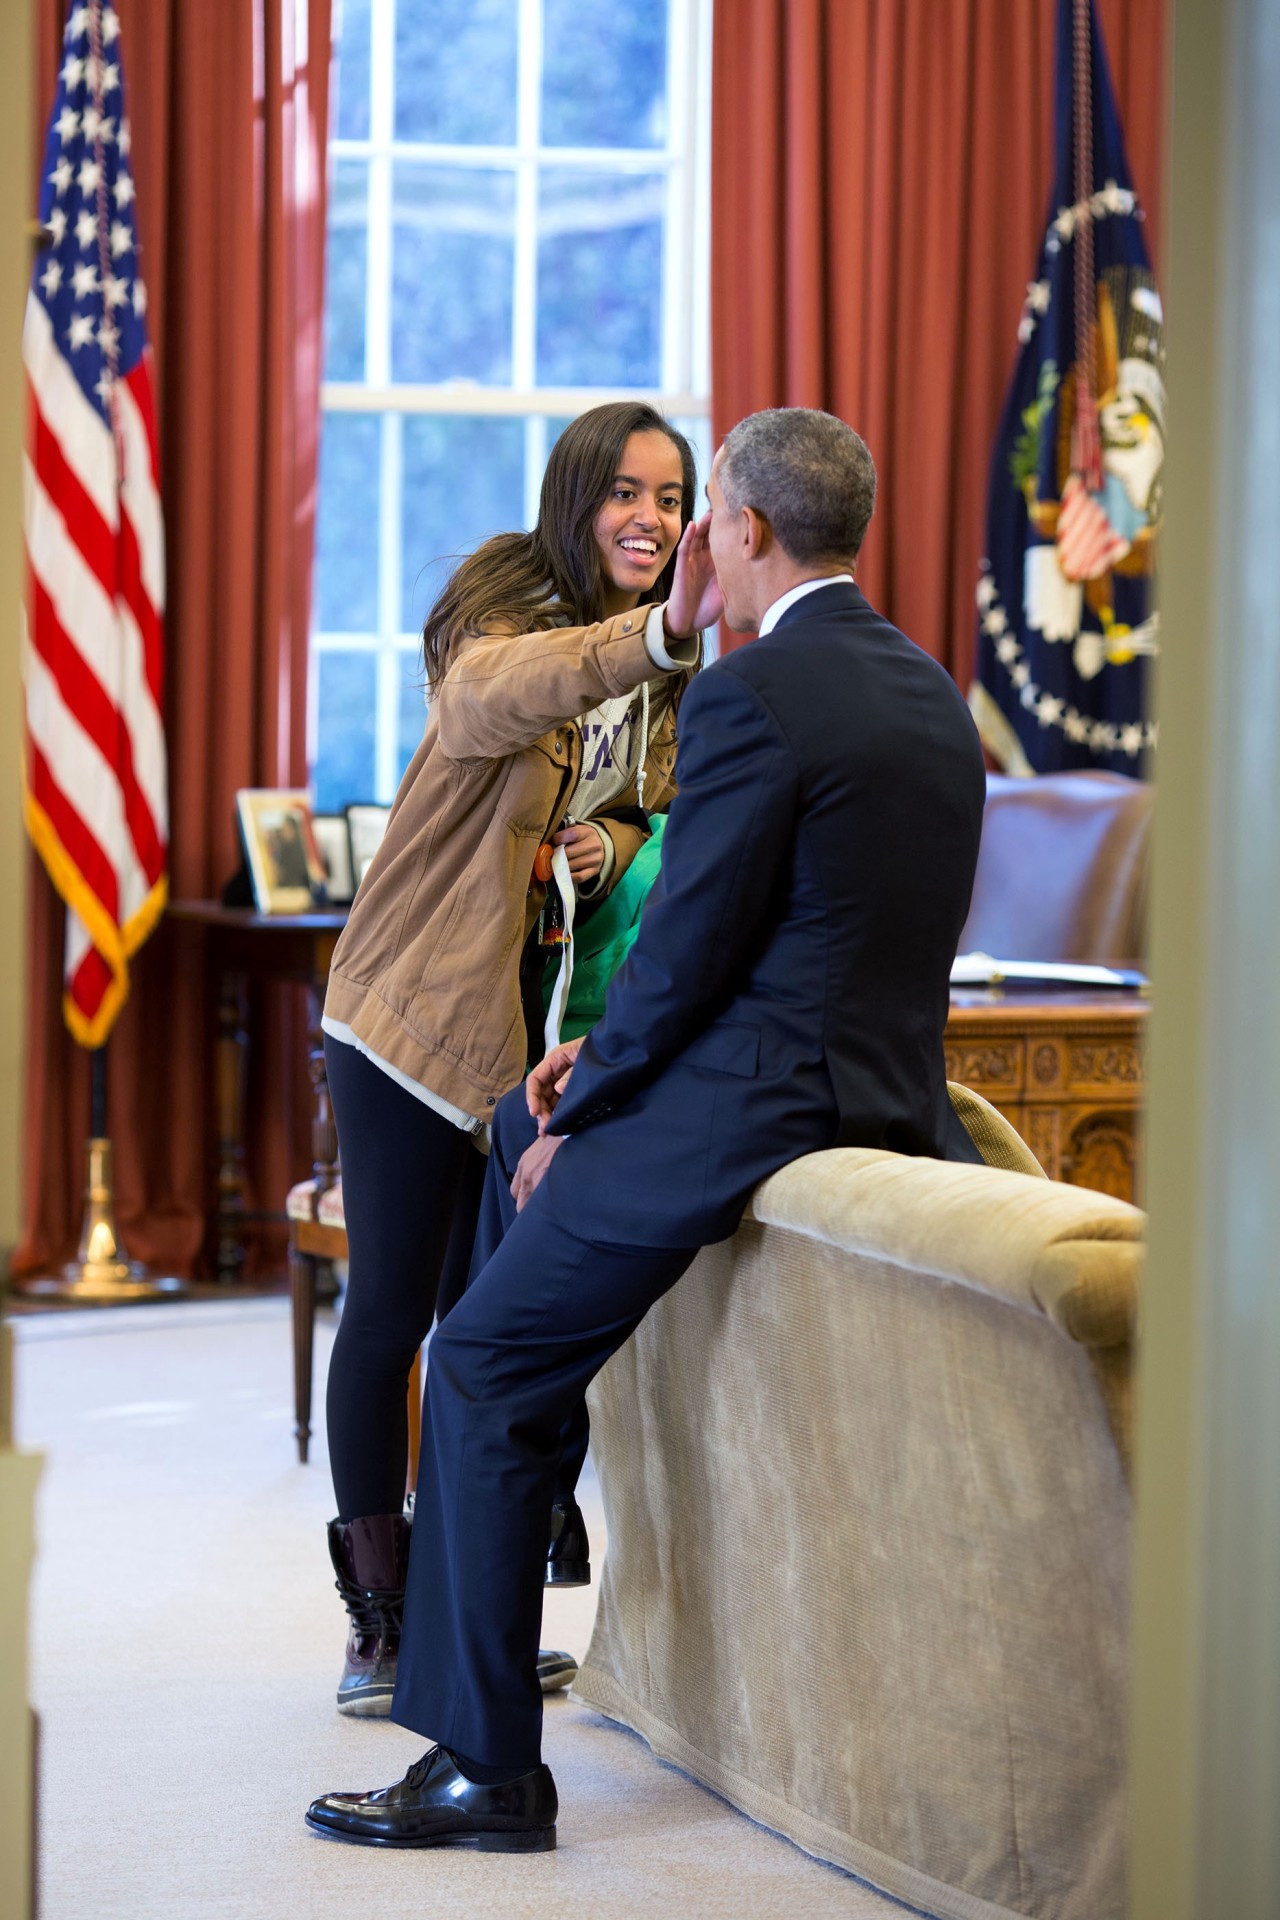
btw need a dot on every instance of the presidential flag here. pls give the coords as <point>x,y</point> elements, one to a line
<point>1066,621</point>
<point>95,777</point>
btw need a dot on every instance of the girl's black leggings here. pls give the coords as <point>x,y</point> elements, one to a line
<point>411,1185</point>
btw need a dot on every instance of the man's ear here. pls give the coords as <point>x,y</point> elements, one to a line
<point>756,534</point>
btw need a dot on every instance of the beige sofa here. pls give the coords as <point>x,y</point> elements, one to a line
<point>865,1481</point>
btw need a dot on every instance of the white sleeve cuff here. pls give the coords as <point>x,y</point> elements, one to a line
<point>588,889</point>
<point>672,656</point>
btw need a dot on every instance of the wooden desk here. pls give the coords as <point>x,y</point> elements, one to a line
<point>1067,1069</point>
<point>241,944</point>
<point>1064,1067</point>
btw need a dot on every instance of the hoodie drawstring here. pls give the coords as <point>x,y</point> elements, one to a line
<point>644,743</point>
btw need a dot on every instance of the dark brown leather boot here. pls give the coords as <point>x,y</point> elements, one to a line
<point>370,1557</point>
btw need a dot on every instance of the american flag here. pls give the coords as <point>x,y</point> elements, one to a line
<point>96,801</point>
<point>1067,625</point>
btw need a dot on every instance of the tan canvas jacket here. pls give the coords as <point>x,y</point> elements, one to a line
<point>426,971</point>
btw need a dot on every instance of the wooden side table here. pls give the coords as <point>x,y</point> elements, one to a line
<point>241,944</point>
<point>1067,1069</point>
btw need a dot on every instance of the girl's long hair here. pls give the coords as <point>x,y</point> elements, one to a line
<point>539,579</point>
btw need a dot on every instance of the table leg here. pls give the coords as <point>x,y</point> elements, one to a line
<point>324,1134</point>
<point>302,1289</point>
<point>232,1071</point>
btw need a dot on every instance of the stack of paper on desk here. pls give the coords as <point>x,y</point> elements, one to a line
<point>980,970</point>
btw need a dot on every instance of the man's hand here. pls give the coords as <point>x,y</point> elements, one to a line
<point>548,1081</point>
<point>585,847</point>
<point>531,1167</point>
<point>696,600</point>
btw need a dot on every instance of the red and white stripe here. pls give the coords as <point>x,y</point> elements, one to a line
<point>95,748</point>
<point>1088,544</point>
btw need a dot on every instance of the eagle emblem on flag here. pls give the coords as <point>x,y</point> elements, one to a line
<point>1066,621</point>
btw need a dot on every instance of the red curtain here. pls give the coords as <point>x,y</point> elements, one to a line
<point>229,110</point>
<point>880,179</point>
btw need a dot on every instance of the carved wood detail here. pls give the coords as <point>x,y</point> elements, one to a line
<point>985,1065</point>
<point>1046,1063</point>
<point>1106,1063</point>
<point>1069,1075</point>
<point>1042,1131</point>
<point>1101,1153</point>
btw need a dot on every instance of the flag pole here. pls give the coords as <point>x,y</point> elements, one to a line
<point>102,1274</point>
<point>93,514</point>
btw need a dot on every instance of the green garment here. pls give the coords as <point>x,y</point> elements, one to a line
<point>602,942</point>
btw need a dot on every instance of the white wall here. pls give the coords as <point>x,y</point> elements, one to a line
<point>1206,1723</point>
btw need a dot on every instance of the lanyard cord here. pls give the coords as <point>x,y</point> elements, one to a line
<point>644,743</point>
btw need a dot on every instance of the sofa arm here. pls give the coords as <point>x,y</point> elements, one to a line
<point>1068,1253</point>
<point>1036,1243</point>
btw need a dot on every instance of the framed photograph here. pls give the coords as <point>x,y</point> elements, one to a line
<point>280,848</point>
<point>366,825</point>
<point>333,842</point>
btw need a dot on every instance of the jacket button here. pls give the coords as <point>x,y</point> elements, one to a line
<point>626,626</point>
<point>490,1101</point>
<point>559,746</point>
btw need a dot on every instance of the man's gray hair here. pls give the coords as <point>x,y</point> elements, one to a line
<point>806,473</point>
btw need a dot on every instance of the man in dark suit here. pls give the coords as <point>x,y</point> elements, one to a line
<point>787,992</point>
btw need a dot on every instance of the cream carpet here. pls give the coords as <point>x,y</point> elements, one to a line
<point>186,1643</point>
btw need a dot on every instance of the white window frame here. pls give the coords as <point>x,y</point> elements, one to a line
<point>685,390</point>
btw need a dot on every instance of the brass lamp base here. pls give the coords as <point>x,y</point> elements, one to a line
<point>102,1273</point>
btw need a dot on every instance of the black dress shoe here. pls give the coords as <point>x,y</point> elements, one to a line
<point>435,1805</point>
<point>569,1555</point>
<point>555,1670</point>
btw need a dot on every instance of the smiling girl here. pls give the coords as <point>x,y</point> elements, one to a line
<point>553,688</point>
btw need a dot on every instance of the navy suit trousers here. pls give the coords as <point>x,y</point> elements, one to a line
<point>506,1371</point>
<point>514,1129</point>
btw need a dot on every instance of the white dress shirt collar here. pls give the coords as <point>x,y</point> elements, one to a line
<point>793,594</point>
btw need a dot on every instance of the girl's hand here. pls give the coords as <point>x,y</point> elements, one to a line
<point>585,847</point>
<point>548,1081</point>
<point>696,600</point>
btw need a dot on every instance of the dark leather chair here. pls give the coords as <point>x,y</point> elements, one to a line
<point>1062,870</point>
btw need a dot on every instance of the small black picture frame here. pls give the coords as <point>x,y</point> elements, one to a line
<point>333,842</point>
<point>366,824</point>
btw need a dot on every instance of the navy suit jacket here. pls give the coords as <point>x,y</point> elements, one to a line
<point>788,988</point>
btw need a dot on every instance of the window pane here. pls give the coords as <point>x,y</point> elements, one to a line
<point>604,74</point>
<point>353,71</point>
<point>345,267</point>
<point>347,529</point>
<point>347,704</point>
<point>463,479</point>
<point>697,431</point>
<point>456,71</point>
<point>411,718</point>
<point>453,251</point>
<point>599,278</point>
